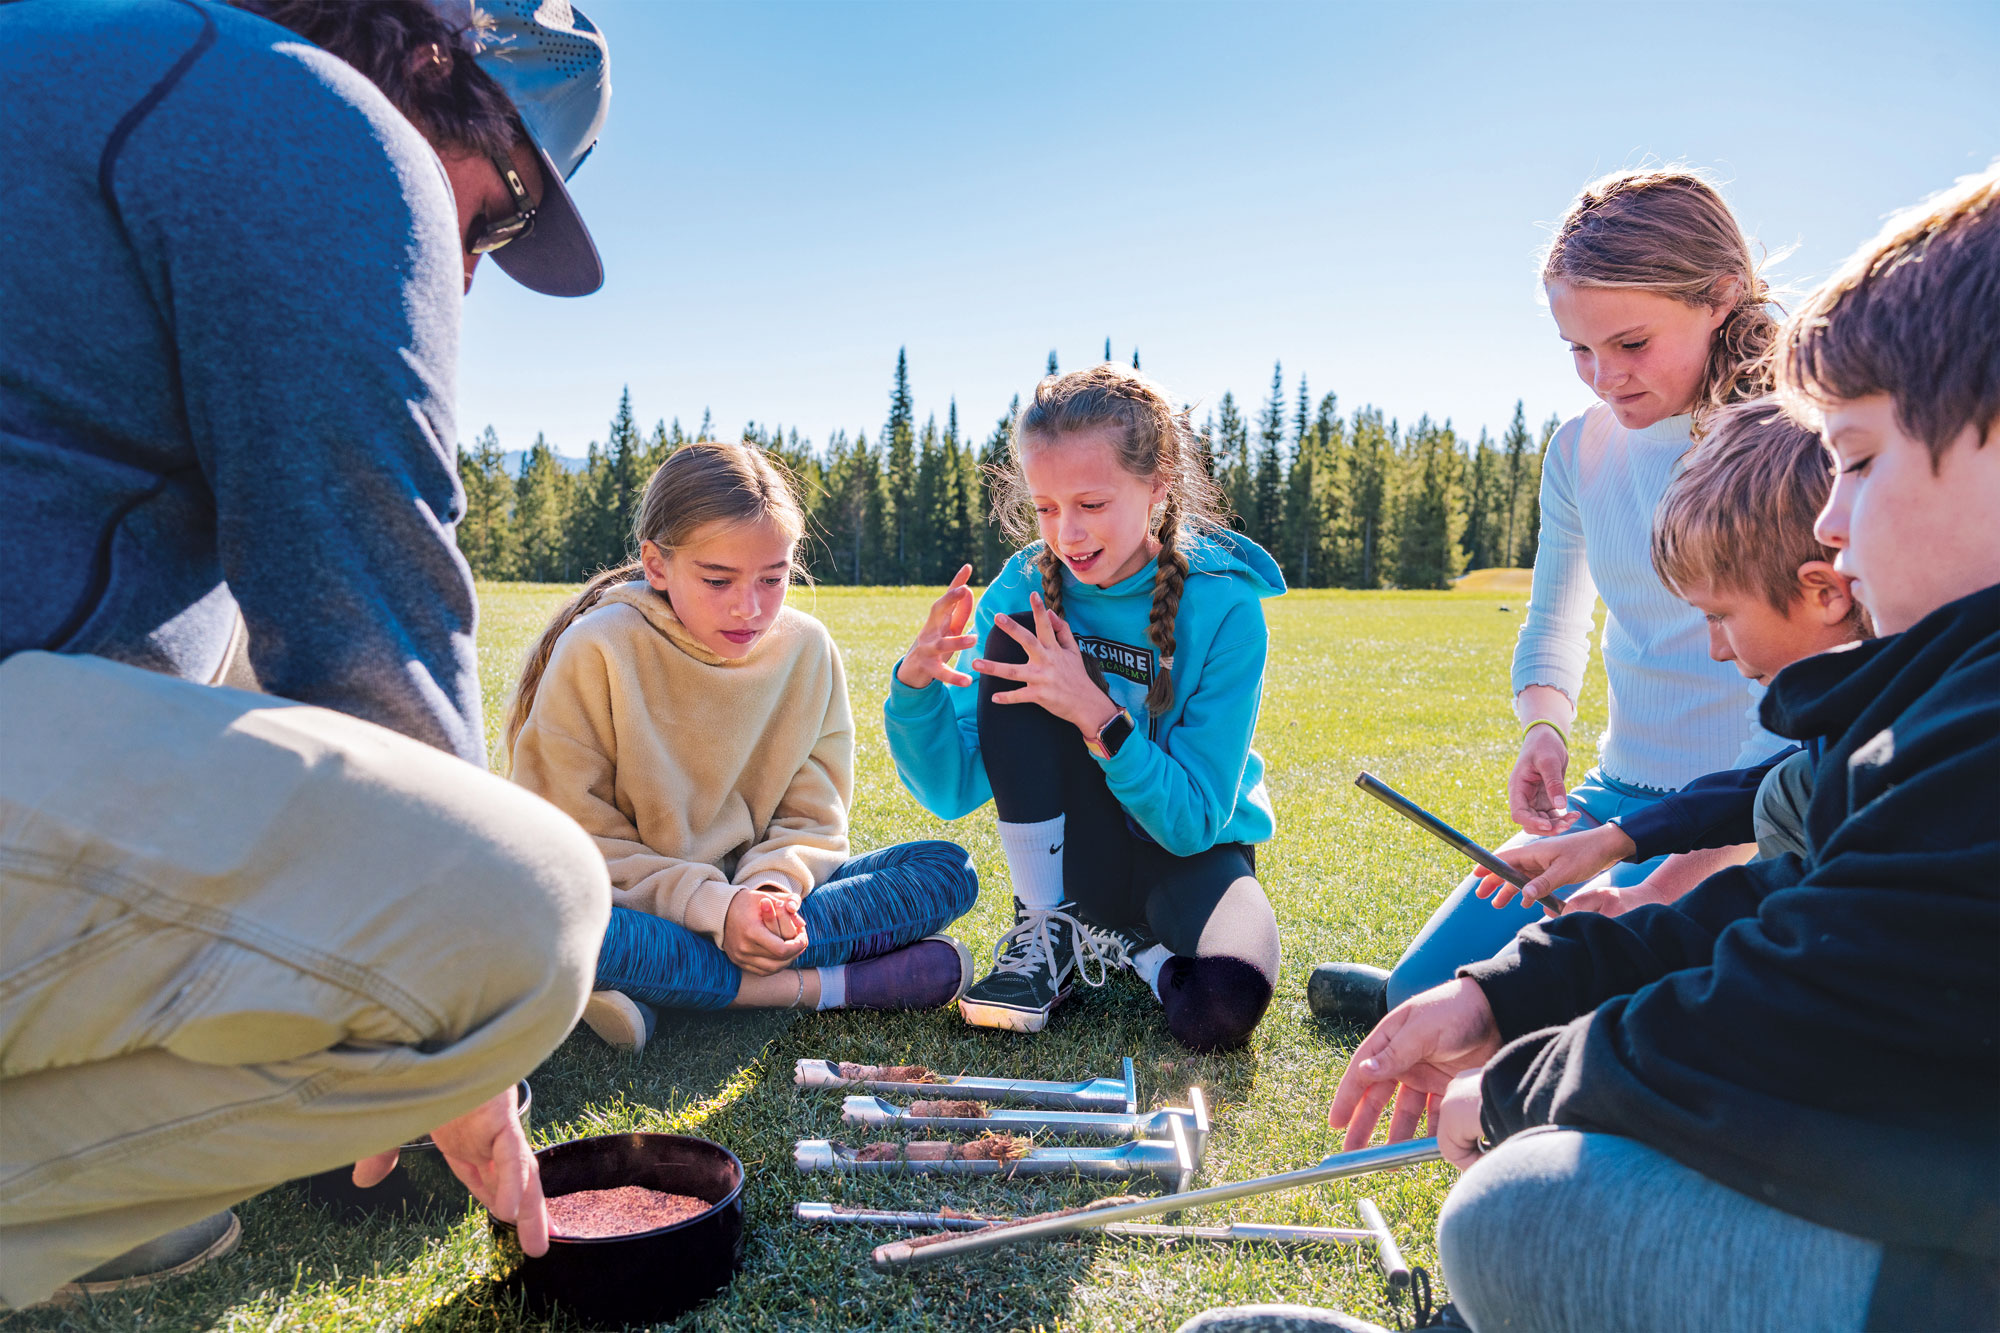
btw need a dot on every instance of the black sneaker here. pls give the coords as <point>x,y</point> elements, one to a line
<point>1033,965</point>
<point>1112,948</point>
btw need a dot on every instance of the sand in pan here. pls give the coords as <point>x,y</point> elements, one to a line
<point>624,1211</point>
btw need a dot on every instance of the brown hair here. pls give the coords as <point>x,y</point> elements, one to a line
<point>1152,441</point>
<point>1740,514</point>
<point>699,484</point>
<point>422,63</point>
<point>1914,314</point>
<point>1667,230</point>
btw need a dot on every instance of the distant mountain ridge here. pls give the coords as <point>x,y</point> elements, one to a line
<point>513,458</point>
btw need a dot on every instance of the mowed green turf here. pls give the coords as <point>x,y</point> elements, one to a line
<point>1412,686</point>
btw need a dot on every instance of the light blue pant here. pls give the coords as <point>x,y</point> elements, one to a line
<point>1467,928</point>
<point>1559,1231</point>
<point>871,905</point>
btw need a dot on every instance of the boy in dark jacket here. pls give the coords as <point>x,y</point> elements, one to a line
<point>1776,1103</point>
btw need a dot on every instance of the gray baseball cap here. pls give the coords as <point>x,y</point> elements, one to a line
<point>554,64</point>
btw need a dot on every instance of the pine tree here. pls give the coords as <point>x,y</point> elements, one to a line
<point>1479,541</point>
<point>1232,450</point>
<point>1107,351</point>
<point>486,534</point>
<point>1371,455</point>
<point>1330,481</point>
<point>1514,444</point>
<point>1052,361</point>
<point>1428,516</point>
<point>1268,521</point>
<point>707,429</point>
<point>1531,527</point>
<point>594,539</point>
<point>994,456</point>
<point>925,522</point>
<point>544,496</point>
<point>1135,358</point>
<point>900,474</point>
<point>958,542</point>
<point>627,453</point>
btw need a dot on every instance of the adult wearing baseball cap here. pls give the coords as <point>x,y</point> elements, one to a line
<point>250,937</point>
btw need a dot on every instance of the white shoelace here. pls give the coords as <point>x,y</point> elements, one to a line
<point>1028,944</point>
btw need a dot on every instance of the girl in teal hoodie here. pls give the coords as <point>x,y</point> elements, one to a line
<point>1111,718</point>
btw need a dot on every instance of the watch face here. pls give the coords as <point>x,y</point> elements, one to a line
<point>1115,733</point>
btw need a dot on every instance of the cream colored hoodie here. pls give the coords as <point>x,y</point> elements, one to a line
<point>698,775</point>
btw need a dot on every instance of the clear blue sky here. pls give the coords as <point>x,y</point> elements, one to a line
<point>786,193</point>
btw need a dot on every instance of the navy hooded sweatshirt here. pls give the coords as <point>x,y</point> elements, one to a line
<point>1822,1035</point>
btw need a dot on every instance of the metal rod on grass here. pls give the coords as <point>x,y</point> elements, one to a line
<point>904,1254</point>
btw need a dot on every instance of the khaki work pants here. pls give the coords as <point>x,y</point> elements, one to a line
<point>244,940</point>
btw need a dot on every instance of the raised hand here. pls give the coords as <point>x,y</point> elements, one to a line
<point>1413,1055</point>
<point>1054,675</point>
<point>942,638</point>
<point>1570,858</point>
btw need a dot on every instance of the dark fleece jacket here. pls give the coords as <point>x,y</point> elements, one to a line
<point>1821,1035</point>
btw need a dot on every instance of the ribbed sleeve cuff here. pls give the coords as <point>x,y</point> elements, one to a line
<point>708,908</point>
<point>908,701</point>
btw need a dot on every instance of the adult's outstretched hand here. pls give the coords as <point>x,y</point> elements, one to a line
<point>487,1150</point>
<point>1413,1055</point>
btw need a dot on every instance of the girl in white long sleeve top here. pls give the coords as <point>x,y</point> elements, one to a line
<point>1651,284</point>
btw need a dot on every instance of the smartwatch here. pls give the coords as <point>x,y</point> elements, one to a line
<point>1110,736</point>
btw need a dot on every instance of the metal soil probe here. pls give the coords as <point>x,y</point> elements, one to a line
<point>1376,1234</point>
<point>1092,1094</point>
<point>903,1254</point>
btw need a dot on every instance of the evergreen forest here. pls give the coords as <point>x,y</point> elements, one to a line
<point>1342,501</point>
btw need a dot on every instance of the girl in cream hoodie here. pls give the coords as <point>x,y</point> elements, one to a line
<point>699,729</point>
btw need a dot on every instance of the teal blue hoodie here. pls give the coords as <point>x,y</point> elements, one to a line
<point>1188,777</point>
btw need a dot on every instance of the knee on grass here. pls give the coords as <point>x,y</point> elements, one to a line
<point>1213,1003</point>
<point>948,867</point>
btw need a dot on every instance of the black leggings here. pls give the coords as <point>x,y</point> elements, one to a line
<point>1208,909</point>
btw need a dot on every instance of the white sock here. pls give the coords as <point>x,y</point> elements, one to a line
<point>1148,965</point>
<point>1034,859</point>
<point>833,986</point>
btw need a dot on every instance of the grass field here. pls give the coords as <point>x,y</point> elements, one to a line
<point>1410,685</point>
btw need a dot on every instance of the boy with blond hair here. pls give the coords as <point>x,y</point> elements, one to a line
<point>1802,1055</point>
<point>1733,537</point>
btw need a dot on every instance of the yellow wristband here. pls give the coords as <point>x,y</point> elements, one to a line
<point>1552,725</point>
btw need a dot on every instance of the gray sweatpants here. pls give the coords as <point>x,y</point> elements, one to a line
<point>1558,1231</point>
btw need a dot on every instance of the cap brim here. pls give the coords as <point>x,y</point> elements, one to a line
<point>557,258</point>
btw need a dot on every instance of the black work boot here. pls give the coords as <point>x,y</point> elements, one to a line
<point>1348,993</point>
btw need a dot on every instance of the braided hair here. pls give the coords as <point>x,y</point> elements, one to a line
<point>1153,441</point>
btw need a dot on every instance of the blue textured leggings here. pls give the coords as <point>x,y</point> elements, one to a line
<point>871,905</point>
<point>1467,928</point>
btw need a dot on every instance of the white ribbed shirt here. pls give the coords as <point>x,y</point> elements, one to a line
<point>1673,713</point>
